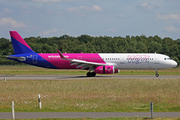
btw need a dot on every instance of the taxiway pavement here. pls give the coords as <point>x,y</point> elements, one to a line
<point>80,77</point>
<point>35,115</point>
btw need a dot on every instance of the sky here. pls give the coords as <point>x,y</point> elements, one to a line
<point>54,18</point>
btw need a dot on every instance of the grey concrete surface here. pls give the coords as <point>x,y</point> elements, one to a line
<point>79,77</point>
<point>34,115</point>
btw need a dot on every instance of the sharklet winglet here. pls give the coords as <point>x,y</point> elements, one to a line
<point>61,55</point>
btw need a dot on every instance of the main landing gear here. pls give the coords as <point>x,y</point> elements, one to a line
<point>91,74</point>
<point>157,75</point>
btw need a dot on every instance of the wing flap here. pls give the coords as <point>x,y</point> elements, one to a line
<point>81,65</point>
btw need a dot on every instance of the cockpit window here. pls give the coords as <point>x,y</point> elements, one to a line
<point>167,58</point>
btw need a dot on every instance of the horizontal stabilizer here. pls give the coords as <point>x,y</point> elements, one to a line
<point>18,58</point>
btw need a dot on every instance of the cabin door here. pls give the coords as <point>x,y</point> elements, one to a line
<point>156,60</point>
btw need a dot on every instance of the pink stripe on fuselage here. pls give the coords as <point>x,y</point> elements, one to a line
<point>15,35</point>
<point>54,59</point>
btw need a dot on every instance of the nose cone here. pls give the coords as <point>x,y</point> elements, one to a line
<point>174,63</point>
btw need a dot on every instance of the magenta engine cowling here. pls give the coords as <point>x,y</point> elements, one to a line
<point>106,70</point>
<point>117,71</point>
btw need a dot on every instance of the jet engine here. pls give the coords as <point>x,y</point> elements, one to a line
<point>106,70</point>
<point>117,71</point>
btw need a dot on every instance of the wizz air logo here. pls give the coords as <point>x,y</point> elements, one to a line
<point>138,59</point>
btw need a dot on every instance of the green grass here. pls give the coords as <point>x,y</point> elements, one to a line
<point>102,95</point>
<point>32,70</point>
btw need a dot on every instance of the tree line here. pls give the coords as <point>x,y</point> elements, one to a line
<point>101,44</point>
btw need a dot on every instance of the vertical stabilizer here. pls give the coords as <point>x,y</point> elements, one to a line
<point>19,45</point>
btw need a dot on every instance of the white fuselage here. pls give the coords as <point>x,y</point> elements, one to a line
<point>138,60</point>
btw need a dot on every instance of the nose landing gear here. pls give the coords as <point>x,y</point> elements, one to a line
<point>157,75</point>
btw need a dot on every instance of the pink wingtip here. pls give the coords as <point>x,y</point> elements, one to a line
<point>61,55</point>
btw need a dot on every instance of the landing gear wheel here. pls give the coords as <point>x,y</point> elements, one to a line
<point>157,75</point>
<point>93,74</point>
<point>89,74</point>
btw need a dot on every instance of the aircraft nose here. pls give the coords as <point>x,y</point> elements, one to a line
<point>174,63</point>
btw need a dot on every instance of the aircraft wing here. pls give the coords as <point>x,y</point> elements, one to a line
<point>82,63</point>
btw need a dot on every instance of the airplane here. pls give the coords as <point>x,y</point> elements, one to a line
<point>101,63</point>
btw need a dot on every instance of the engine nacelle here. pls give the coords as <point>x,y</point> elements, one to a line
<point>116,71</point>
<point>106,70</point>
